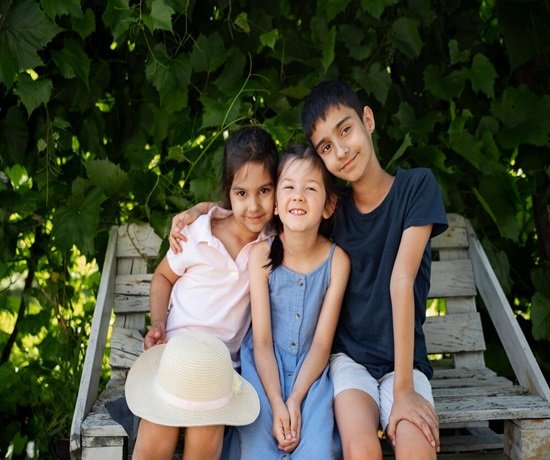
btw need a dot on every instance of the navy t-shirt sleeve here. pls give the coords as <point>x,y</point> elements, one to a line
<point>426,205</point>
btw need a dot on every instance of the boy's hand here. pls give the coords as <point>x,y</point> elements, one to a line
<point>281,427</point>
<point>155,336</point>
<point>414,408</point>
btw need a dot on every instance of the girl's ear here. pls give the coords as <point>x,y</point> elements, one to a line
<point>275,209</point>
<point>330,206</point>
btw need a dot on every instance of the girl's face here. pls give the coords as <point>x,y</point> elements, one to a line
<point>252,197</point>
<point>301,196</point>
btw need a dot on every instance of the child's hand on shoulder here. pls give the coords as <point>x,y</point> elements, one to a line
<point>414,408</point>
<point>156,335</point>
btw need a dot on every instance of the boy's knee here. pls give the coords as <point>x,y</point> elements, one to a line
<point>411,443</point>
<point>367,447</point>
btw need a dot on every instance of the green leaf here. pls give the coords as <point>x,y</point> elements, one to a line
<point>72,61</point>
<point>84,25</point>
<point>524,115</point>
<point>331,8</point>
<point>456,55</point>
<point>360,43</point>
<point>399,153</point>
<point>204,188</point>
<point>54,8</point>
<point>119,17</point>
<point>14,136</point>
<point>25,30</point>
<point>406,38</point>
<point>33,92</point>
<point>241,21</point>
<point>483,75</point>
<point>443,87</point>
<point>499,193</point>
<point>540,316</point>
<point>467,146</point>
<point>328,48</point>
<point>76,222</point>
<point>170,77</point>
<point>160,17</point>
<point>8,69</point>
<point>208,53</point>
<point>231,78</point>
<point>378,82</point>
<point>107,176</point>
<point>270,38</point>
<point>377,7</point>
<point>218,113</point>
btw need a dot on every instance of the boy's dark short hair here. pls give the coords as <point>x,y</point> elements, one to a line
<point>323,97</point>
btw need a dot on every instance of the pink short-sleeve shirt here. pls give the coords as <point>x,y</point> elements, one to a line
<point>212,293</point>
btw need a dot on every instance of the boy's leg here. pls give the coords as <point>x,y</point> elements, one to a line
<point>203,442</point>
<point>357,418</point>
<point>355,408</point>
<point>411,443</point>
<point>155,441</point>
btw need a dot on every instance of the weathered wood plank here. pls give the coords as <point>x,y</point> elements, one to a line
<point>492,408</point>
<point>527,439</point>
<point>91,370</point>
<point>514,342</point>
<point>452,279</point>
<point>474,439</point>
<point>445,393</point>
<point>126,346</point>
<point>455,236</point>
<point>138,240</point>
<point>453,333</point>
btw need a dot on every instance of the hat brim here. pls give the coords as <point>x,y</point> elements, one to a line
<point>144,401</point>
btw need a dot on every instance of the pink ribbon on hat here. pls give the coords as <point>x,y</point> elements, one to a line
<point>188,404</point>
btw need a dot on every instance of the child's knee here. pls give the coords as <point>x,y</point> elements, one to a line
<point>411,443</point>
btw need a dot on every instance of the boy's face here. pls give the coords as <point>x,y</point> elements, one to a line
<point>344,142</point>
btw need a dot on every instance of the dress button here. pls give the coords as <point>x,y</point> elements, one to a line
<point>301,283</point>
<point>293,345</point>
<point>298,316</point>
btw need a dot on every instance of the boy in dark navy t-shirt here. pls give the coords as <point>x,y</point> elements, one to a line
<point>379,364</point>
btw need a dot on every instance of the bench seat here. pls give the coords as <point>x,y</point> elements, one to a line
<point>480,412</point>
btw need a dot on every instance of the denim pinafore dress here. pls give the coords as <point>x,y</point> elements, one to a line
<point>296,300</point>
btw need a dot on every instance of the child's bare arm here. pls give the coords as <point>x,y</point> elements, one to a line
<point>408,404</point>
<point>179,221</point>
<point>159,298</point>
<point>264,356</point>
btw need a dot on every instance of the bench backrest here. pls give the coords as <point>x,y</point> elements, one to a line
<point>456,334</point>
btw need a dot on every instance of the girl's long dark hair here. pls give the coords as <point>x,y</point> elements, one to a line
<point>293,153</point>
<point>250,144</point>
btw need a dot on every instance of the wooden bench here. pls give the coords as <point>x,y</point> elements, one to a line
<point>469,396</point>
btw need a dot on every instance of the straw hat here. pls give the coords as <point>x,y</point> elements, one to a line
<point>190,381</point>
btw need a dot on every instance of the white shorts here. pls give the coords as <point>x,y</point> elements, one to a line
<point>346,374</point>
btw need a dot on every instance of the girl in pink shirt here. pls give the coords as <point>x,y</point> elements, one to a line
<point>205,286</point>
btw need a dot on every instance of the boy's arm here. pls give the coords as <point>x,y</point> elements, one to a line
<point>408,404</point>
<point>179,221</point>
<point>159,298</point>
<point>319,352</point>
<point>264,356</point>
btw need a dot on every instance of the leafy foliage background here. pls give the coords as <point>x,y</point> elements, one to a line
<point>114,110</point>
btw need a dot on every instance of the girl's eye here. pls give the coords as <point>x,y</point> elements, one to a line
<point>313,189</point>
<point>240,193</point>
<point>346,130</point>
<point>265,190</point>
